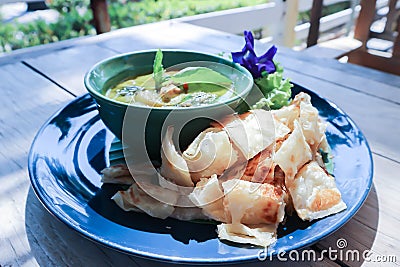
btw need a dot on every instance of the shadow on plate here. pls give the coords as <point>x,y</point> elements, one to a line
<point>181,231</point>
<point>52,243</point>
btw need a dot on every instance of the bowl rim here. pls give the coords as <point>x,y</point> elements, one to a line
<point>96,93</point>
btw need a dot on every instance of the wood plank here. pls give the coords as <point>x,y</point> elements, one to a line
<point>275,263</point>
<point>364,21</point>
<point>29,235</point>
<point>133,42</point>
<point>335,48</point>
<point>374,227</point>
<point>353,82</point>
<point>355,70</point>
<point>45,233</point>
<point>171,35</point>
<point>365,58</point>
<point>70,71</point>
<point>25,105</point>
<point>376,123</point>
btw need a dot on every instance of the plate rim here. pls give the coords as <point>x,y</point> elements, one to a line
<point>179,260</point>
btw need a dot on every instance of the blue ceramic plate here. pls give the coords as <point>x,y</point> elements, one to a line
<point>73,147</point>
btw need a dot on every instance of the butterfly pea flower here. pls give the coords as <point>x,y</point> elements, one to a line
<point>258,66</point>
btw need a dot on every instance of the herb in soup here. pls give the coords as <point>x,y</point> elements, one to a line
<point>189,87</point>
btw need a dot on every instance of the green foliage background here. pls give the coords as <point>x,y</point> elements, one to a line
<point>76,18</point>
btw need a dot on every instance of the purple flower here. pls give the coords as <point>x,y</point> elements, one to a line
<point>248,58</point>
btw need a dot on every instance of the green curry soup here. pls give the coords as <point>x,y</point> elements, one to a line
<point>189,87</point>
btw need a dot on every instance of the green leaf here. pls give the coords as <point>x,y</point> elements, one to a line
<point>276,91</point>
<point>200,75</point>
<point>211,88</point>
<point>158,70</point>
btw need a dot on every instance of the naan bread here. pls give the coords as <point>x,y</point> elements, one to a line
<point>180,213</point>
<point>247,169</point>
<point>208,195</point>
<point>252,132</point>
<point>313,128</point>
<point>253,203</point>
<point>260,169</point>
<point>259,235</point>
<point>301,98</point>
<point>123,201</point>
<point>293,153</point>
<point>210,153</point>
<point>173,167</point>
<point>281,130</point>
<point>141,198</point>
<point>117,174</point>
<point>314,193</point>
<point>287,115</point>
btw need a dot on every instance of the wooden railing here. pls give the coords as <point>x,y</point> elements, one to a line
<point>278,19</point>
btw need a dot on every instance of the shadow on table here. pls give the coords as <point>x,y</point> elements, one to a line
<point>54,244</point>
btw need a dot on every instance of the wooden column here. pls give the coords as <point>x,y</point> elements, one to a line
<point>396,45</point>
<point>364,21</point>
<point>316,13</point>
<point>100,16</point>
<point>391,16</point>
<point>289,16</point>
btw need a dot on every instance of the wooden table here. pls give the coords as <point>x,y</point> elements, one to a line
<point>37,82</point>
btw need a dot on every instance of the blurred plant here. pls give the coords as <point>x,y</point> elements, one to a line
<point>73,21</point>
<point>75,18</point>
<point>127,13</point>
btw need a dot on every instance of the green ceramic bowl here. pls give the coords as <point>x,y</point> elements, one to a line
<point>133,123</point>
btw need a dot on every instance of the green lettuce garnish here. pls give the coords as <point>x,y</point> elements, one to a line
<point>276,90</point>
<point>158,70</point>
<point>200,75</point>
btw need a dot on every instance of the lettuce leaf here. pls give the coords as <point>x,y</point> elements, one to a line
<point>276,91</point>
<point>200,75</point>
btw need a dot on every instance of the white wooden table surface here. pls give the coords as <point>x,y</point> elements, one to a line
<point>36,82</point>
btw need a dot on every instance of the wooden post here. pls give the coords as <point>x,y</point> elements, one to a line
<point>391,16</point>
<point>396,45</point>
<point>316,13</point>
<point>284,32</point>
<point>364,21</point>
<point>100,16</point>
